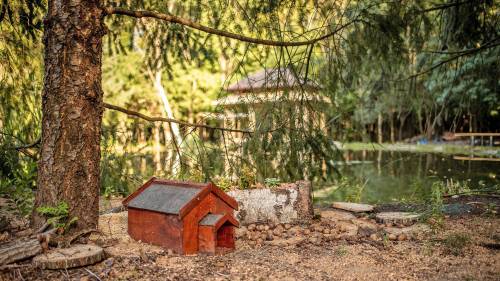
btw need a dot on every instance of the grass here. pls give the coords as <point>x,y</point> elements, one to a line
<point>437,148</point>
<point>455,243</point>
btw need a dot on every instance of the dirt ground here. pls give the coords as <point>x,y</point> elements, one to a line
<point>463,248</point>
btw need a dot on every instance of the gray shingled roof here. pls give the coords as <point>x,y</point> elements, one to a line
<point>163,198</point>
<point>267,79</point>
<point>211,219</point>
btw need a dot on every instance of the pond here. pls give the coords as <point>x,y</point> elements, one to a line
<point>365,175</point>
<point>388,176</point>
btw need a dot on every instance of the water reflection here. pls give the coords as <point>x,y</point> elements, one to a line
<point>385,176</point>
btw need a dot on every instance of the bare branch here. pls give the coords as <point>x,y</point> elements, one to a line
<point>195,25</point>
<point>169,120</point>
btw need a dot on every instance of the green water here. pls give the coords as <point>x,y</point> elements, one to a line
<point>368,176</point>
<point>389,176</point>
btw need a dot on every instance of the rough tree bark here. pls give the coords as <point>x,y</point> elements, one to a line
<point>72,106</point>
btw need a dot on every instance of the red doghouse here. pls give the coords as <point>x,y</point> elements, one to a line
<point>183,216</point>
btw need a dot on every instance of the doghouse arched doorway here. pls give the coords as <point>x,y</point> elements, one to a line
<point>216,233</point>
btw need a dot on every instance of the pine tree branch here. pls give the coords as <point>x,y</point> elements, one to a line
<point>452,58</point>
<point>169,120</point>
<point>445,6</point>
<point>195,25</point>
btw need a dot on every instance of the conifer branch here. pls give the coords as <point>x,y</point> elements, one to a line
<point>210,30</point>
<point>169,120</point>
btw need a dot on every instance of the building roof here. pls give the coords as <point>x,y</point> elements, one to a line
<point>167,199</point>
<point>271,79</point>
<point>173,197</point>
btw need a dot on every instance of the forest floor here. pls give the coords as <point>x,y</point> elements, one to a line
<point>462,247</point>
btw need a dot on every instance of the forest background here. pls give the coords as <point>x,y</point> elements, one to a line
<point>399,69</point>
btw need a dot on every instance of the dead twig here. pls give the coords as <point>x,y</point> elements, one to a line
<point>93,274</point>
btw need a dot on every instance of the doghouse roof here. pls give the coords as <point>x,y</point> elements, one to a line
<point>173,197</point>
<point>217,220</point>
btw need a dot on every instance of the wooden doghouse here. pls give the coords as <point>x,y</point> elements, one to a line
<point>183,216</point>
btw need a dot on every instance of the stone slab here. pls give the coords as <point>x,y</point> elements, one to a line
<point>397,217</point>
<point>353,207</point>
<point>414,229</point>
<point>336,215</point>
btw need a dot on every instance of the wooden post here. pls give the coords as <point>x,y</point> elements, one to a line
<point>379,128</point>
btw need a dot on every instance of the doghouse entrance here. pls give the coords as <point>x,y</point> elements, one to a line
<point>225,237</point>
<point>216,233</point>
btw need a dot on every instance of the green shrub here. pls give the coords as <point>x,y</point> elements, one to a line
<point>57,216</point>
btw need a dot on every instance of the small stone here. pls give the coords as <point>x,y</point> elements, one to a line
<point>263,235</point>
<point>353,207</point>
<point>269,236</point>
<point>374,237</point>
<point>307,231</point>
<point>287,226</point>
<point>295,240</point>
<point>277,243</point>
<point>319,228</point>
<point>259,241</point>
<point>313,240</point>
<point>278,230</point>
<point>392,237</point>
<point>328,237</point>
<point>402,237</point>
<point>240,232</point>
<point>266,227</point>
<point>4,236</point>
<point>260,227</point>
<point>326,231</point>
<point>251,227</point>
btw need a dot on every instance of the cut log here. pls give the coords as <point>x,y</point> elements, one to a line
<point>404,218</point>
<point>76,256</point>
<point>353,207</point>
<point>19,250</point>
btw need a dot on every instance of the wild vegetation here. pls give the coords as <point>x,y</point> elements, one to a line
<point>389,70</point>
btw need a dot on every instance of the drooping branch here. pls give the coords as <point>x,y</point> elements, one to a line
<point>195,25</point>
<point>452,58</point>
<point>169,120</point>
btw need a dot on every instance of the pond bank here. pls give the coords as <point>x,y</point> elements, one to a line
<point>444,148</point>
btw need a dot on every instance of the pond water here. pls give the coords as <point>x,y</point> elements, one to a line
<point>365,176</point>
<point>388,176</point>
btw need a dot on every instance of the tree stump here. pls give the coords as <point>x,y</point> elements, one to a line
<point>75,256</point>
<point>19,250</point>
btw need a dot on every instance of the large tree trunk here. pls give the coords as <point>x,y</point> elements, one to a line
<point>72,108</point>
